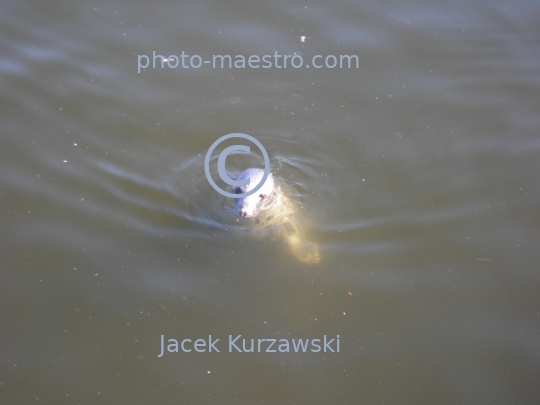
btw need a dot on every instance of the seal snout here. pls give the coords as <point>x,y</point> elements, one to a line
<point>246,212</point>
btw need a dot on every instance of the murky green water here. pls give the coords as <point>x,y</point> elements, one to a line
<point>417,176</point>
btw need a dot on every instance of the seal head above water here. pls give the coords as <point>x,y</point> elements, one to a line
<point>252,205</point>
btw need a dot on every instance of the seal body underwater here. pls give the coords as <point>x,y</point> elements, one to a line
<point>272,210</point>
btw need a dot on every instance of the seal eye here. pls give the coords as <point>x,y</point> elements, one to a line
<point>262,196</point>
<point>238,191</point>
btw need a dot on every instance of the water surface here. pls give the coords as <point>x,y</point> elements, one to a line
<point>417,174</point>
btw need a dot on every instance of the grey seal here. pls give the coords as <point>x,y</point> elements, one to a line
<point>272,210</point>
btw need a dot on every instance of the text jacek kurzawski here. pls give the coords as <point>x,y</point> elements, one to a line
<point>239,344</point>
